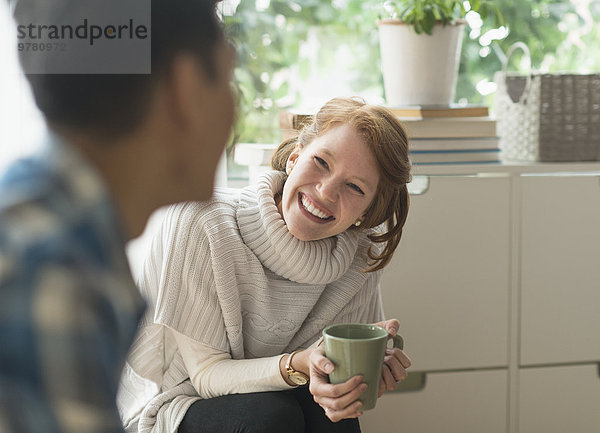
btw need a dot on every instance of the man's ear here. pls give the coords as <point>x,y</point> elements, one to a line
<point>186,83</point>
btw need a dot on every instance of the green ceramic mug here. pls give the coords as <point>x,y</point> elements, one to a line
<point>358,349</point>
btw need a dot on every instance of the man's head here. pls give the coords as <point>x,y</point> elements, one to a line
<point>112,104</point>
<point>190,70</point>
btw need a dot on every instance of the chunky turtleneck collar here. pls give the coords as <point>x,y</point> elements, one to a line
<point>264,231</point>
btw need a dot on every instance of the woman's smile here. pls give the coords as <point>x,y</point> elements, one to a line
<point>312,210</point>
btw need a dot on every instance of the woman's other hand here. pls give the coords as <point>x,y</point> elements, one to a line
<point>395,361</point>
<point>339,401</point>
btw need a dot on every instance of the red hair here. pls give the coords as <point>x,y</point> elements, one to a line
<point>388,142</point>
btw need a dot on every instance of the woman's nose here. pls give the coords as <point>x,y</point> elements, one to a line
<point>329,190</point>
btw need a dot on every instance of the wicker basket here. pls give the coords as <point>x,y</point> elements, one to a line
<point>548,117</point>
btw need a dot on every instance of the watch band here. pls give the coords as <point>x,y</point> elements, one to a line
<point>288,364</point>
<point>296,377</point>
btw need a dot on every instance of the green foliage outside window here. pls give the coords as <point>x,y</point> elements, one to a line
<point>288,49</point>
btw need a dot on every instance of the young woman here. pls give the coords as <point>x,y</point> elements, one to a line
<point>240,287</point>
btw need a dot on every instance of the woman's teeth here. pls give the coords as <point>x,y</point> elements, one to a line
<point>309,207</point>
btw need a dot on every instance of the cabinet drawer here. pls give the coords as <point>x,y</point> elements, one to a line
<point>560,273</point>
<point>459,402</point>
<point>448,281</point>
<point>559,399</point>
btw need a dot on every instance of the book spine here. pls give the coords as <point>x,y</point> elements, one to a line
<point>449,128</point>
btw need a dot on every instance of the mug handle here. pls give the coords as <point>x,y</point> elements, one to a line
<point>398,341</point>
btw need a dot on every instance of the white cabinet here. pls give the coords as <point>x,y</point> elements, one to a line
<point>497,279</point>
<point>448,281</point>
<point>559,399</point>
<point>560,271</point>
<point>462,402</point>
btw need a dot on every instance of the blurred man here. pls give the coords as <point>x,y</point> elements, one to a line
<point>123,144</point>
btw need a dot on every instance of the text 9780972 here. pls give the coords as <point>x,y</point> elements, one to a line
<point>38,46</point>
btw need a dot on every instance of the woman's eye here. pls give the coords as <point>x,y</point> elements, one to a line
<point>356,188</point>
<point>321,162</point>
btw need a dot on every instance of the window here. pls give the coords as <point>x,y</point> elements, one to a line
<point>300,53</point>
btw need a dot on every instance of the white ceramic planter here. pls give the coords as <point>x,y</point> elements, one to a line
<point>419,69</point>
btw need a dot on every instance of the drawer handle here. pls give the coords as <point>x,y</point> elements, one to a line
<point>419,185</point>
<point>414,382</point>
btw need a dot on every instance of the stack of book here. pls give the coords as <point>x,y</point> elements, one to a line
<point>437,135</point>
<point>291,122</point>
<point>450,134</point>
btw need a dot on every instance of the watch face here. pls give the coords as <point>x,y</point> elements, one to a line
<point>298,378</point>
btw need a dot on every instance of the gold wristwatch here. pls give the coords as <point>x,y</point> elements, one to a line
<point>294,376</point>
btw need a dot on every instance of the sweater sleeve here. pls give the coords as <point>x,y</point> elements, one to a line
<point>213,373</point>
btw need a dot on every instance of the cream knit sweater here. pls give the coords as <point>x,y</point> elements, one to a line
<point>228,274</point>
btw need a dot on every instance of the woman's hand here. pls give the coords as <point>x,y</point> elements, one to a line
<point>395,361</point>
<point>339,401</point>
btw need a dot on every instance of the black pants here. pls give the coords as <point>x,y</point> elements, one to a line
<point>291,411</point>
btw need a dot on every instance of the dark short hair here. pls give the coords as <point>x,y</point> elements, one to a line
<point>110,105</point>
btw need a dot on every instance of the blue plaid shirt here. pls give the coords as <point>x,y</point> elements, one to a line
<point>69,308</point>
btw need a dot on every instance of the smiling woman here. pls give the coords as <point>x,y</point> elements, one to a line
<point>354,121</point>
<point>241,286</point>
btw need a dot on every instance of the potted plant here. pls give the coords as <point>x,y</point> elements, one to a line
<point>420,44</point>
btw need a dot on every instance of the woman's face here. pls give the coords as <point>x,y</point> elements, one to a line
<point>330,186</point>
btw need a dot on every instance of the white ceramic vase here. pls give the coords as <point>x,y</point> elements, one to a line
<point>419,69</point>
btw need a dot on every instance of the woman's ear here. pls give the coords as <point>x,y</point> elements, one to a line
<point>360,220</point>
<point>291,161</point>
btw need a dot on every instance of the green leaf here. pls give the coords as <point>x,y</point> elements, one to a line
<point>428,20</point>
<point>419,27</point>
<point>281,91</point>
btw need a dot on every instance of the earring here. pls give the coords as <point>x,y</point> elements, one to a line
<point>357,223</point>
